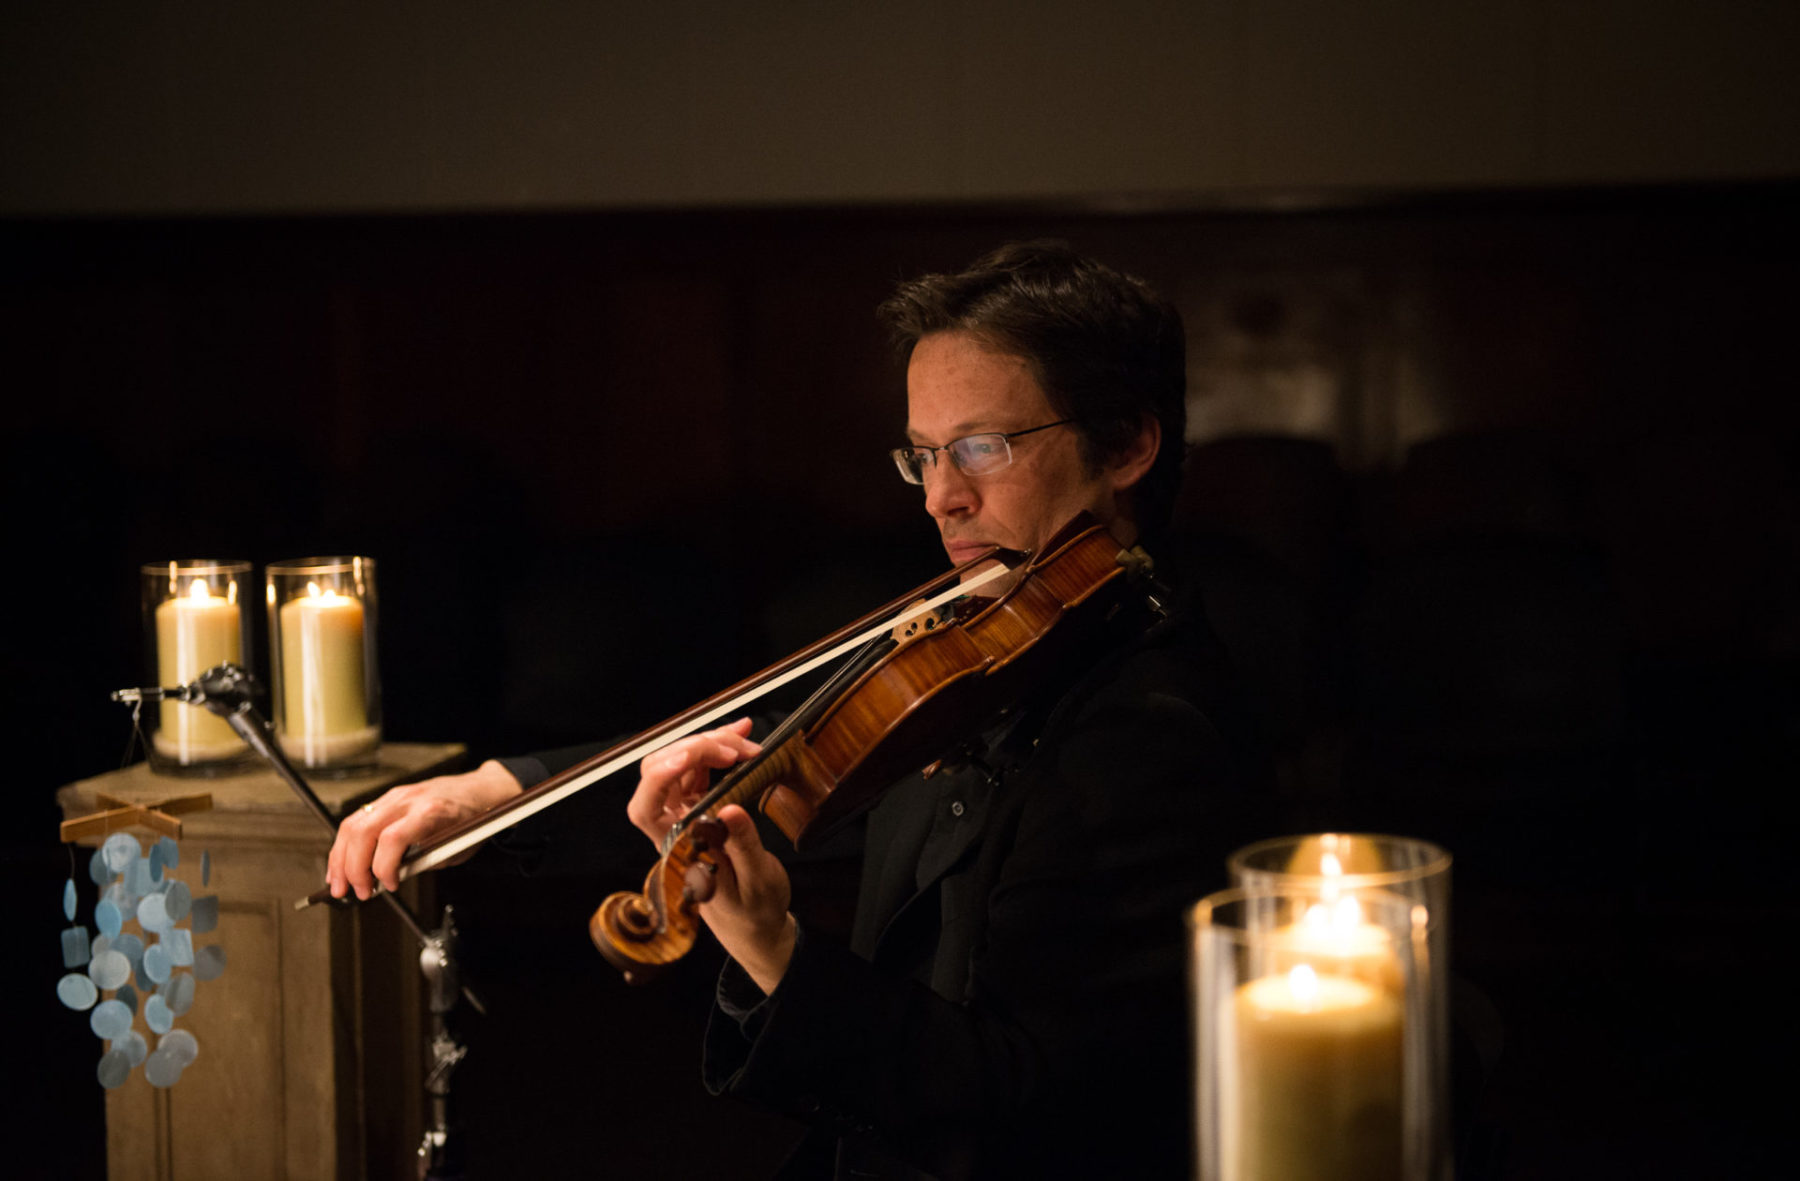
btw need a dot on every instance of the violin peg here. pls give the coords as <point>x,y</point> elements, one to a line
<point>697,883</point>
<point>707,832</point>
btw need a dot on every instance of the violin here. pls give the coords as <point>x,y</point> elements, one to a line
<point>912,609</point>
<point>913,688</point>
<point>893,708</point>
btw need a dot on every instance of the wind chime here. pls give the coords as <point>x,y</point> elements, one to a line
<point>142,944</point>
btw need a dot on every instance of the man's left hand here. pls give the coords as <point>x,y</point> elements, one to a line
<point>749,907</point>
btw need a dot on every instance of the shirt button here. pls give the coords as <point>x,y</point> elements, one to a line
<point>956,808</point>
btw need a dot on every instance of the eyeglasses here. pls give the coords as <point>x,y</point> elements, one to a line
<point>973,455</point>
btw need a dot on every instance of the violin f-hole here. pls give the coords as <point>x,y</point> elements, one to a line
<point>928,619</point>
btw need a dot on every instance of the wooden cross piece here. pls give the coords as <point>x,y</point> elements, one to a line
<point>158,817</point>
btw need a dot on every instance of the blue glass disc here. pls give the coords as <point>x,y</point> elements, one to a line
<point>131,946</point>
<point>114,1069</point>
<point>156,966</point>
<point>156,862</point>
<point>69,900</point>
<point>110,1020</point>
<point>180,942</point>
<point>98,870</point>
<point>77,991</point>
<point>123,900</point>
<point>108,918</point>
<point>137,877</point>
<point>177,900</point>
<point>153,915</point>
<point>178,993</point>
<point>181,1044</point>
<point>133,1045</point>
<point>171,852</point>
<point>206,867</point>
<point>162,1069</point>
<point>121,850</point>
<point>109,969</point>
<point>76,951</point>
<point>157,1015</point>
<point>204,913</point>
<point>127,996</point>
<point>209,962</point>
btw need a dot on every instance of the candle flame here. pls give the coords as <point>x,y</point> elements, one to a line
<point>197,590</point>
<point>1303,982</point>
<point>1333,871</point>
<point>326,597</point>
<point>1339,920</point>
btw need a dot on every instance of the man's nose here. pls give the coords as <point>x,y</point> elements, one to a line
<point>948,492</point>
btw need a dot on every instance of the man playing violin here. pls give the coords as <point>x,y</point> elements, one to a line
<point>1011,1001</point>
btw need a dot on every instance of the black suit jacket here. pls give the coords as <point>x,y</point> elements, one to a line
<point>1012,1002</point>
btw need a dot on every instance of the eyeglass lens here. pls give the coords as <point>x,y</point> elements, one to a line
<point>974,455</point>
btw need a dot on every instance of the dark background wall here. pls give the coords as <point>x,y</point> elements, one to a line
<point>169,106</point>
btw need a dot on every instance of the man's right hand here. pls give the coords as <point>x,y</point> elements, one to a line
<point>372,839</point>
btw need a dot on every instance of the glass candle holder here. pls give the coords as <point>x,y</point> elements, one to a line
<point>1332,866</point>
<point>194,619</point>
<point>1312,1046</point>
<point>327,695</point>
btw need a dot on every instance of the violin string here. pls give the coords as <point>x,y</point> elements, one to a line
<point>794,722</point>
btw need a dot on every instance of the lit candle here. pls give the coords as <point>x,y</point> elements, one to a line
<point>1332,938</point>
<point>1333,854</point>
<point>194,632</point>
<point>325,710</point>
<point>1318,1080</point>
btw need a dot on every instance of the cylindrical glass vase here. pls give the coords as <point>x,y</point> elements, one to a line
<point>1332,866</point>
<point>195,618</point>
<point>326,691</point>
<point>1312,1042</point>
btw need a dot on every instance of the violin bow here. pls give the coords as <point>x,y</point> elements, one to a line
<point>455,841</point>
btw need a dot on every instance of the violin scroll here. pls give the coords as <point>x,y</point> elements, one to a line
<point>641,934</point>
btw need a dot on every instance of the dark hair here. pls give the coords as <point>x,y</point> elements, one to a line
<point>1106,349</point>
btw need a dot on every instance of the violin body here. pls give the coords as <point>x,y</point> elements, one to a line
<point>896,715</point>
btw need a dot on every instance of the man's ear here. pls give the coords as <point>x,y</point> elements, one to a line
<point>1131,464</point>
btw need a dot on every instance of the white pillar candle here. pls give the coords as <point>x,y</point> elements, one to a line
<point>195,631</point>
<point>1318,1080</point>
<point>324,705</point>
